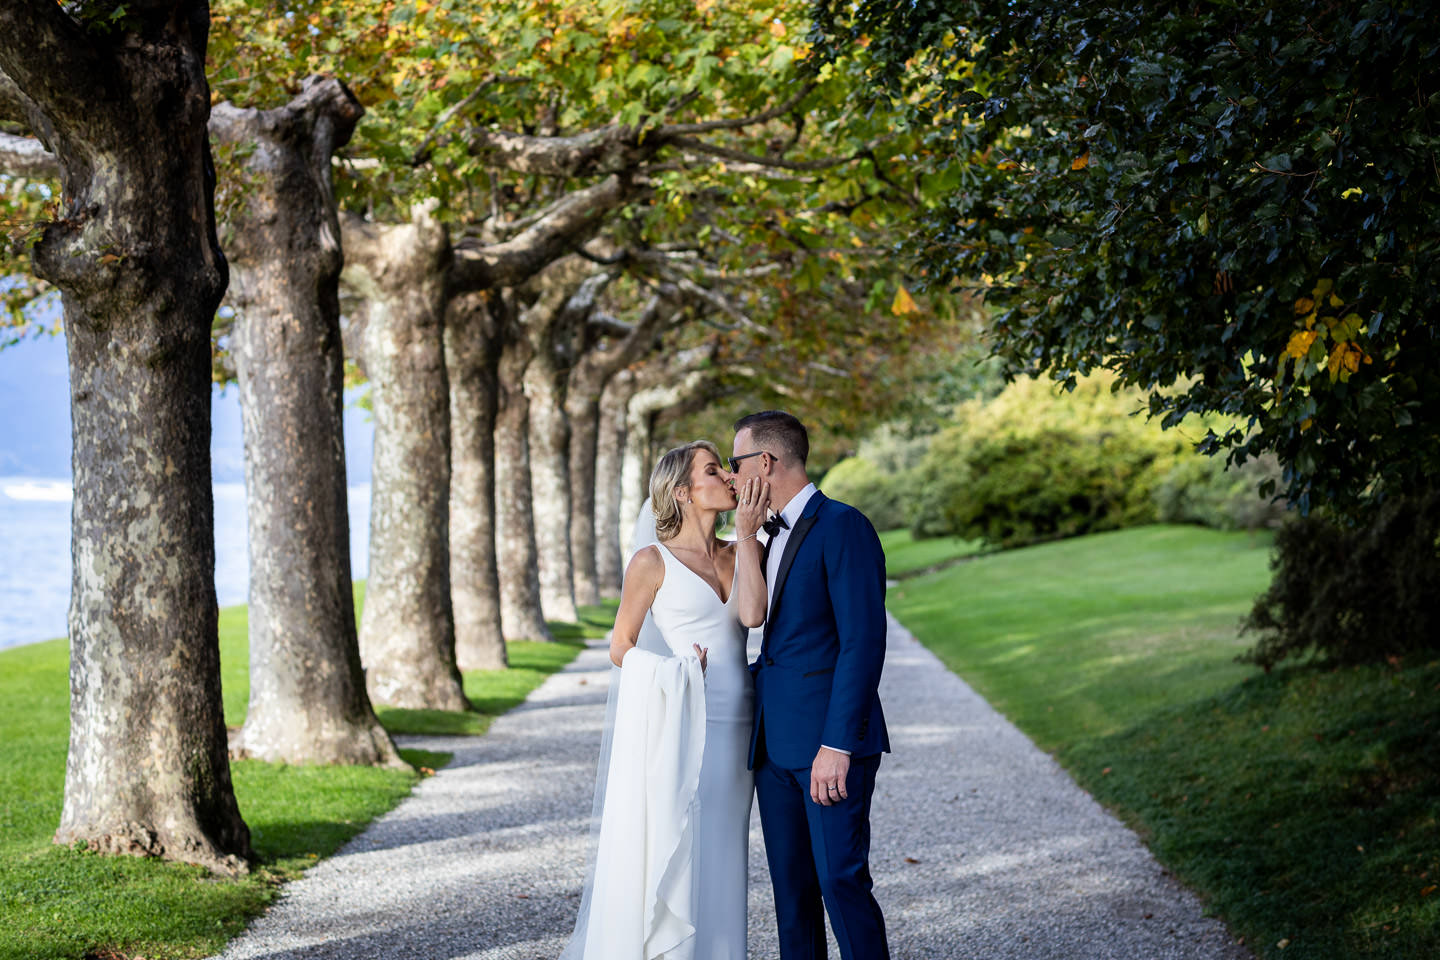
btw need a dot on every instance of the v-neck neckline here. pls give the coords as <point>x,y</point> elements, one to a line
<point>724,602</point>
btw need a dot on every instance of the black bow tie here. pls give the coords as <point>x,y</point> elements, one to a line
<point>774,525</point>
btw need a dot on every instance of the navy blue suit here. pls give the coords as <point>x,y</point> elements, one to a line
<point>816,682</point>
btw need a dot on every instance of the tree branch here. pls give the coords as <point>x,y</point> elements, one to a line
<point>689,129</point>
<point>49,59</point>
<point>27,157</point>
<point>740,156</point>
<point>604,150</point>
<point>558,229</point>
<point>422,152</point>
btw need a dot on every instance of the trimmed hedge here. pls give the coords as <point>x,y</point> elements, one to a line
<point>1039,463</point>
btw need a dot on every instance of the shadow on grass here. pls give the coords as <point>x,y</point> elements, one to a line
<point>1304,804</point>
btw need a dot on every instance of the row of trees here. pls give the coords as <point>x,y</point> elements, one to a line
<point>536,232</point>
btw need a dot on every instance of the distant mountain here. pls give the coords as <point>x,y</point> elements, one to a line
<point>35,420</point>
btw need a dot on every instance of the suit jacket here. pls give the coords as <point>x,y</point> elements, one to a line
<point>818,674</point>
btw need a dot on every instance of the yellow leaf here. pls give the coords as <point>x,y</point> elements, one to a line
<point>777,29</point>
<point>1337,356</point>
<point>1336,301</point>
<point>1303,306</point>
<point>1306,424</point>
<point>1081,162</point>
<point>1322,288</point>
<point>903,303</point>
<point>1299,344</point>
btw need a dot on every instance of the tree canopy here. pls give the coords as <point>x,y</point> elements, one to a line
<point>1231,205</point>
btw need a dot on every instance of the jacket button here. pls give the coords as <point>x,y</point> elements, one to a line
<point>769,661</point>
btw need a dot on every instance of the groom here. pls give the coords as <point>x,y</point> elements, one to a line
<point>819,731</point>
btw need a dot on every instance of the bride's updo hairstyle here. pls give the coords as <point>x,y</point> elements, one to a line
<point>672,473</point>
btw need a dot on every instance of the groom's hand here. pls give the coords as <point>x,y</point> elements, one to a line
<point>827,776</point>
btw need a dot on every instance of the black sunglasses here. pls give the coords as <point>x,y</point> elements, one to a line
<point>735,461</point>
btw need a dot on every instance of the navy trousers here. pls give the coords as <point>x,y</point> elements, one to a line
<point>820,861</point>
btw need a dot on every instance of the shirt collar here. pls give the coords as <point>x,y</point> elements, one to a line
<point>792,510</point>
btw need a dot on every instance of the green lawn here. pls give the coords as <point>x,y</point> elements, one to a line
<point>59,904</point>
<point>1302,805</point>
<point>905,556</point>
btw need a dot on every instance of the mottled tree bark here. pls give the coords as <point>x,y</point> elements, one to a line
<point>136,258</point>
<point>664,386</point>
<point>583,413</point>
<point>602,356</point>
<point>407,626</point>
<point>609,460</point>
<point>518,557</point>
<point>554,338</point>
<point>307,691</point>
<point>472,359</point>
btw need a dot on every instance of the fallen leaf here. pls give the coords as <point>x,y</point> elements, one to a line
<point>1081,162</point>
<point>1105,772</point>
<point>1426,891</point>
<point>1283,944</point>
<point>911,860</point>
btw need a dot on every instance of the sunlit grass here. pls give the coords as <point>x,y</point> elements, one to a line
<point>60,904</point>
<point>1302,806</point>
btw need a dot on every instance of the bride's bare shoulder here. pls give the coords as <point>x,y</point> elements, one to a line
<point>646,566</point>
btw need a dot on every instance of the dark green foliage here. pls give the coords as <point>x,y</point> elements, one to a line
<point>1353,594</point>
<point>1202,490</point>
<point>1243,194</point>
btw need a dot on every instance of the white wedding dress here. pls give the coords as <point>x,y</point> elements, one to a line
<point>670,860</point>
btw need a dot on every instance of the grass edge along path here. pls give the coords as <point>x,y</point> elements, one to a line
<point>63,904</point>
<point>1301,805</point>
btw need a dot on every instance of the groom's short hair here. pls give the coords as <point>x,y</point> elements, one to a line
<point>771,429</point>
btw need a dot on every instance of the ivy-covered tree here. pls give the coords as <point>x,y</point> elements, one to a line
<point>1229,204</point>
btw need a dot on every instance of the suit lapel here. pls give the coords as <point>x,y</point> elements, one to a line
<point>792,545</point>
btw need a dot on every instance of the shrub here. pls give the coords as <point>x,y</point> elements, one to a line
<point>1037,463</point>
<point>1352,594</point>
<point>880,495</point>
<point>1200,489</point>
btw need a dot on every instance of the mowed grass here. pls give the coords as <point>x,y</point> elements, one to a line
<point>905,556</point>
<point>1301,805</point>
<point>62,904</point>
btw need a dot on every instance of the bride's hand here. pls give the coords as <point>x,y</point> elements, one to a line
<point>701,654</point>
<point>754,496</point>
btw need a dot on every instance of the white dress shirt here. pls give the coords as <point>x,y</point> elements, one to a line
<point>791,512</point>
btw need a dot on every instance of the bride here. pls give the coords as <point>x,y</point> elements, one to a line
<point>669,856</point>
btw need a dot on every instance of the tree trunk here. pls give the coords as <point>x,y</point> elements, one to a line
<point>555,333</point>
<point>609,459</point>
<point>599,361</point>
<point>472,359</point>
<point>635,467</point>
<point>521,615</point>
<point>583,412</point>
<point>307,690</point>
<point>135,256</point>
<point>550,486</point>
<point>407,625</point>
<point>666,385</point>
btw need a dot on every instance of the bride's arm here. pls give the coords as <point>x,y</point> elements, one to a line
<point>749,577</point>
<point>642,579</point>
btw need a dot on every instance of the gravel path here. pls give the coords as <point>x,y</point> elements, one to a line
<point>485,860</point>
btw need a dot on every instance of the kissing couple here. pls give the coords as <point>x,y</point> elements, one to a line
<point>692,729</point>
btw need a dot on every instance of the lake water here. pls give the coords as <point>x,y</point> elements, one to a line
<point>35,553</point>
